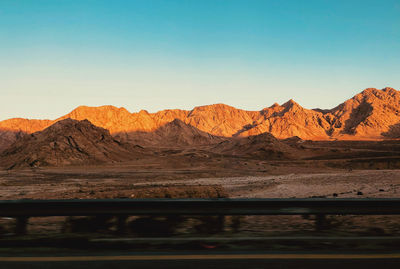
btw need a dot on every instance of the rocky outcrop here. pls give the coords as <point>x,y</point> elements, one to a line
<point>67,142</point>
<point>12,129</point>
<point>108,117</point>
<point>369,114</point>
<point>264,146</point>
<point>172,134</point>
<point>121,122</point>
<point>177,133</point>
<point>220,119</point>
<point>290,119</point>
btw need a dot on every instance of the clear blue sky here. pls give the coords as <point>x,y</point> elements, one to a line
<point>146,54</point>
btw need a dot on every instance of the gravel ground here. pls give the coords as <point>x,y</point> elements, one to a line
<point>340,184</point>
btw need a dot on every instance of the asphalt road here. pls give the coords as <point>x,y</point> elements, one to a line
<point>220,260</point>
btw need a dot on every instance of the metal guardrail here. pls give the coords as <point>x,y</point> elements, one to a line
<point>311,206</point>
<point>23,209</point>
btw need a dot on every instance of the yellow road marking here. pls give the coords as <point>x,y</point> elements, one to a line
<point>200,257</point>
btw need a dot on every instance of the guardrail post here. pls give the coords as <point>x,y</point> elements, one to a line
<point>320,222</point>
<point>221,223</point>
<point>20,226</point>
<point>121,224</point>
<point>235,223</point>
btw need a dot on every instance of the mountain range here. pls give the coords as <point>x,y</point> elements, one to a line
<point>372,114</point>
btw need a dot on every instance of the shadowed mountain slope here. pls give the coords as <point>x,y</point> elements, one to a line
<point>12,129</point>
<point>178,132</point>
<point>173,134</point>
<point>264,146</point>
<point>67,142</point>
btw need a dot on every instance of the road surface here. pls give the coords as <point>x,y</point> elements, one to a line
<point>213,260</point>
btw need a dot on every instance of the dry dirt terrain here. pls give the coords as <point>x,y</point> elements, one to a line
<point>237,176</point>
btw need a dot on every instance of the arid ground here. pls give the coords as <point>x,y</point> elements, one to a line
<point>336,169</point>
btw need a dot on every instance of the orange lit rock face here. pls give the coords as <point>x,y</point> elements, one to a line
<point>220,119</point>
<point>67,142</point>
<point>120,120</point>
<point>289,120</point>
<point>372,114</point>
<point>108,117</point>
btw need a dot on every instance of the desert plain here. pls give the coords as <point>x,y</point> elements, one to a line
<point>337,169</point>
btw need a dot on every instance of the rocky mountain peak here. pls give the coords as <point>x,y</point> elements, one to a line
<point>178,122</point>
<point>274,105</point>
<point>67,142</point>
<point>213,108</point>
<point>291,104</point>
<point>144,112</point>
